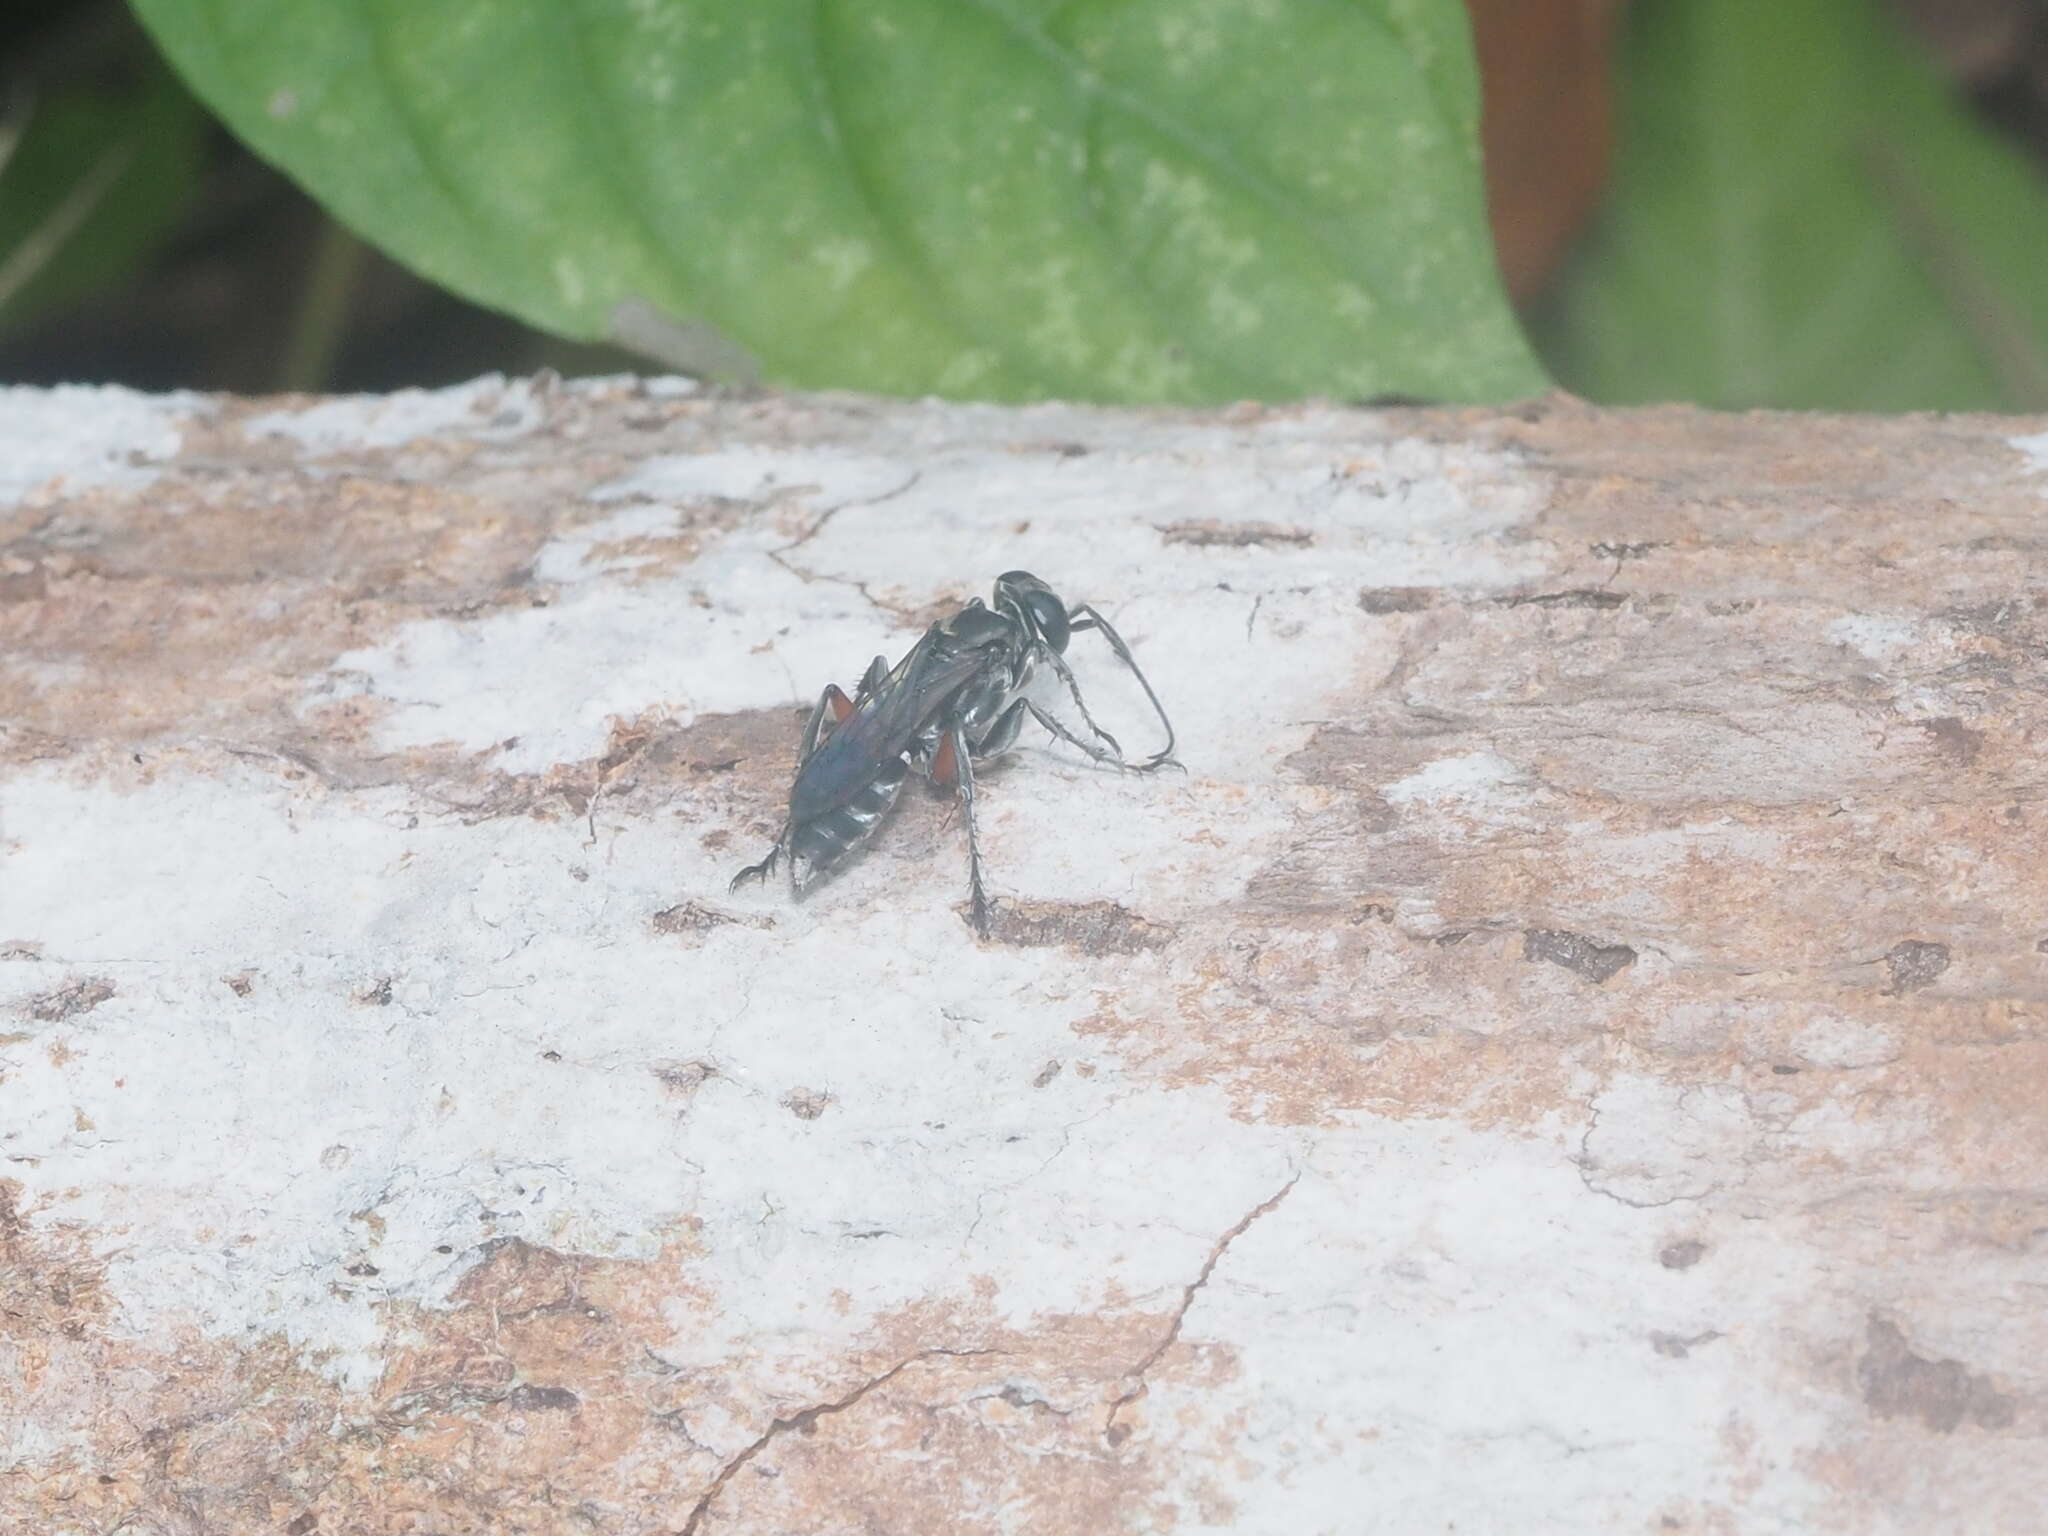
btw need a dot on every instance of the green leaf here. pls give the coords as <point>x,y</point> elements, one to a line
<point>1804,217</point>
<point>1142,200</point>
<point>91,179</point>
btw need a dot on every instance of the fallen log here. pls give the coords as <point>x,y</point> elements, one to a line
<point>1568,1054</point>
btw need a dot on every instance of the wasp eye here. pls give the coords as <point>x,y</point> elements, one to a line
<point>1050,615</point>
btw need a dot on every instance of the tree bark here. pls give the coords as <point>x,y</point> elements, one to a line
<point>1568,1054</point>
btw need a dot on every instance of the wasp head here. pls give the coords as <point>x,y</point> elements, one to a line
<point>1037,604</point>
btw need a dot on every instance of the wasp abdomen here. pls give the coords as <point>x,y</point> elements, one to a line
<point>816,845</point>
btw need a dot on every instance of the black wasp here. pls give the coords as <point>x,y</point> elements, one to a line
<point>958,698</point>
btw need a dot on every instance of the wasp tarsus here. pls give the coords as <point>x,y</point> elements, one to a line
<point>957,699</point>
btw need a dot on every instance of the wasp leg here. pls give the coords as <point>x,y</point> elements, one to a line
<point>760,871</point>
<point>1052,723</point>
<point>962,769</point>
<point>871,683</point>
<point>833,699</point>
<point>1002,734</point>
<point>1084,616</point>
<point>1066,675</point>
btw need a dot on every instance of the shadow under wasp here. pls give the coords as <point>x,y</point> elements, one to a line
<point>957,699</point>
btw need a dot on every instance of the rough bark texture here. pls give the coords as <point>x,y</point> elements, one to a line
<point>1569,1054</point>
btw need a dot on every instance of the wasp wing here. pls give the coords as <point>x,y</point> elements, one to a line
<point>886,722</point>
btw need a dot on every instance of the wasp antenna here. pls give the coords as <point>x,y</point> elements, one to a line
<point>1086,617</point>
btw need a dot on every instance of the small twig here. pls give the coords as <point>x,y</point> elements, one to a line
<point>25,263</point>
<point>1985,311</point>
<point>331,277</point>
<point>14,126</point>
